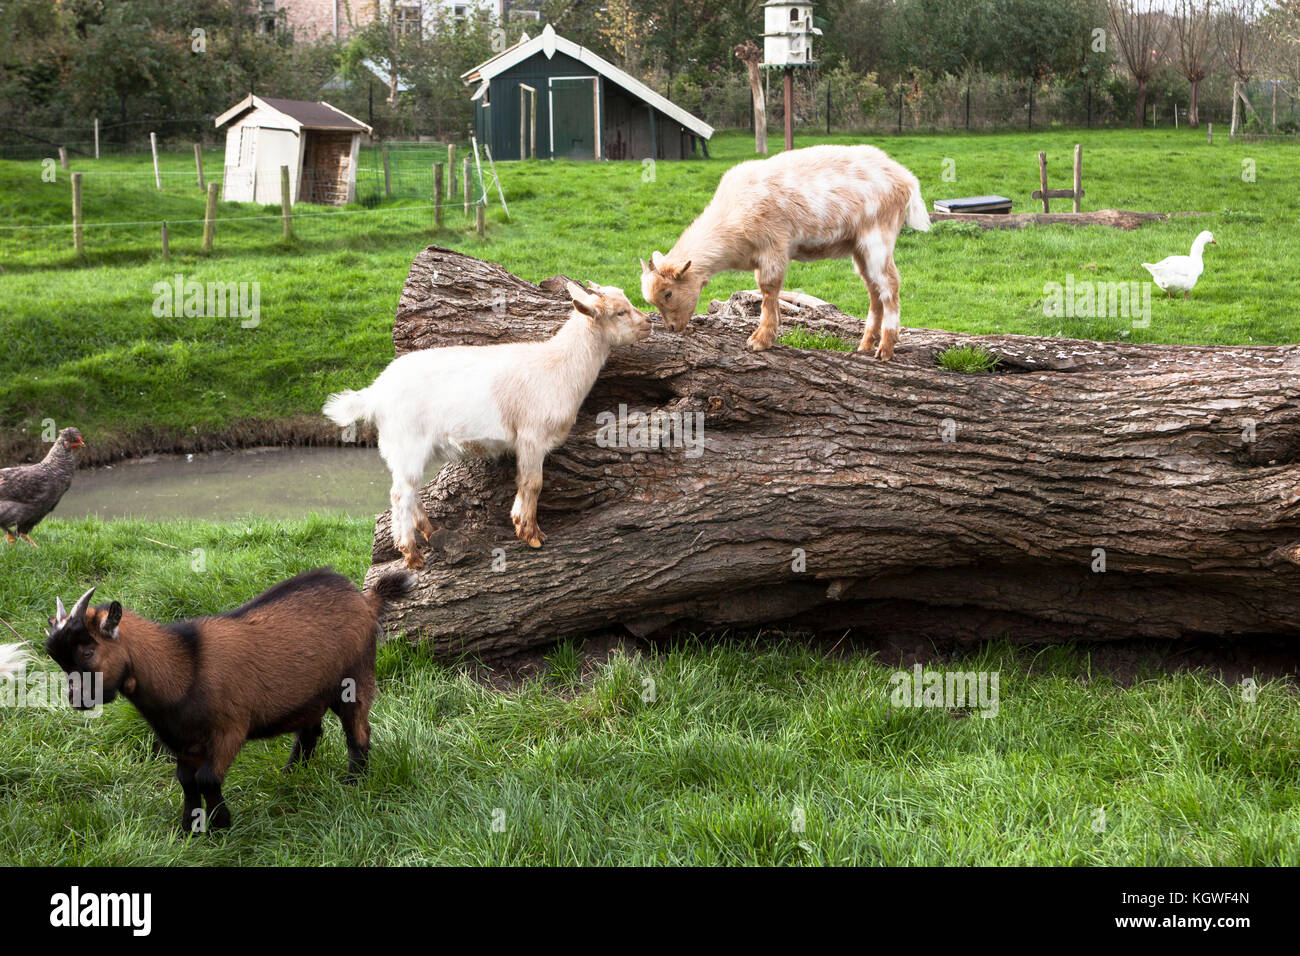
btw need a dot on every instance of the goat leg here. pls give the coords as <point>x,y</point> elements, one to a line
<point>304,744</point>
<point>529,457</point>
<point>192,819</point>
<point>763,336</point>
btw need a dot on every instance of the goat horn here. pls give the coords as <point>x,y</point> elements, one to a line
<point>79,610</point>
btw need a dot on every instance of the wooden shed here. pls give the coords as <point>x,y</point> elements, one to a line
<point>317,142</point>
<point>548,97</point>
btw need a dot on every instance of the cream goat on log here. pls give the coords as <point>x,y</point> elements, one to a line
<point>436,405</point>
<point>823,202</point>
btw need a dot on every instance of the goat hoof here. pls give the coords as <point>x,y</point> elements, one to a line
<point>414,561</point>
<point>759,341</point>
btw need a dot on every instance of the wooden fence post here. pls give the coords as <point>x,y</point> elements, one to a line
<point>166,245</point>
<point>1042,178</point>
<point>437,195</point>
<point>480,219</point>
<point>97,137</point>
<point>210,218</point>
<point>198,165</point>
<point>1209,133</point>
<point>63,156</point>
<point>286,203</point>
<point>451,170</point>
<point>464,173</point>
<point>1078,177</point>
<point>388,181</point>
<point>153,145</point>
<point>78,240</point>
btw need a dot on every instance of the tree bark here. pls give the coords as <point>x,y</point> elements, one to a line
<point>1082,490</point>
<point>748,54</point>
<point>1193,107</point>
<point>1140,110</point>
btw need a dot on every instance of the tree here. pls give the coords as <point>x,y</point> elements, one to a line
<point>1136,27</point>
<point>1097,490</point>
<point>1239,36</point>
<point>1192,21</point>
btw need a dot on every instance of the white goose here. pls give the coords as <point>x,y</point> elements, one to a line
<point>1179,273</point>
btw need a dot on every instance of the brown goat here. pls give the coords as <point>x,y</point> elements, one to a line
<point>270,667</point>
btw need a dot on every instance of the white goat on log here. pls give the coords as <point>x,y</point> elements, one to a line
<point>823,202</point>
<point>440,404</point>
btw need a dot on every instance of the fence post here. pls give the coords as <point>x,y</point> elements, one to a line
<point>78,240</point>
<point>464,173</point>
<point>480,219</point>
<point>210,218</point>
<point>1042,178</point>
<point>437,195</point>
<point>166,246</point>
<point>1078,177</point>
<point>198,165</point>
<point>451,170</point>
<point>388,182</point>
<point>286,203</point>
<point>63,156</point>
<point>97,137</point>
<point>1209,133</point>
<point>900,107</point>
<point>153,145</point>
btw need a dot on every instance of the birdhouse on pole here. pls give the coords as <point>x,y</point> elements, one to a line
<point>787,43</point>
<point>787,33</point>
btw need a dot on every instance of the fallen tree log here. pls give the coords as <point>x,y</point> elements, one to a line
<point>1115,218</point>
<point>1082,490</point>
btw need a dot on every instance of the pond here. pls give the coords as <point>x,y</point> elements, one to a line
<point>224,486</point>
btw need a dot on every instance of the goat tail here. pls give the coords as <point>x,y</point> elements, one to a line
<point>12,658</point>
<point>388,588</point>
<point>917,215</point>
<point>344,408</point>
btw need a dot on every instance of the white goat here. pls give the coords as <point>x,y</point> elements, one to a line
<point>822,202</point>
<point>440,404</point>
<point>12,659</point>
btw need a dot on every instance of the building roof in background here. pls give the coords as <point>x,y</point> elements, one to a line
<point>548,42</point>
<point>303,114</point>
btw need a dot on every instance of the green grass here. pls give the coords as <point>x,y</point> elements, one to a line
<point>85,347</point>
<point>968,359</point>
<point>734,739</point>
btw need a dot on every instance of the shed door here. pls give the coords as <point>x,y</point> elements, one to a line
<point>573,117</point>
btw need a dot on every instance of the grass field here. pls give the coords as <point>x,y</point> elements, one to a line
<point>86,348</point>
<point>578,768</point>
<point>743,737</point>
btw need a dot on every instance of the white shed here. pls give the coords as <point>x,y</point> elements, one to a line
<point>317,142</point>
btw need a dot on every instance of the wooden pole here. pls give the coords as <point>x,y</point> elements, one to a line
<point>198,165</point>
<point>210,218</point>
<point>166,244</point>
<point>1209,133</point>
<point>437,195</point>
<point>480,219</point>
<point>388,182</point>
<point>451,170</point>
<point>1042,178</point>
<point>63,156</point>
<point>1078,177</point>
<point>464,176</point>
<point>78,239</point>
<point>97,137</point>
<point>789,108</point>
<point>286,203</point>
<point>153,145</point>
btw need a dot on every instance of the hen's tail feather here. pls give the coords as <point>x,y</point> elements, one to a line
<point>13,657</point>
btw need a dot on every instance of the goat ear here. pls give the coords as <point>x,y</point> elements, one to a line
<point>111,620</point>
<point>657,258</point>
<point>645,266</point>
<point>583,300</point>
<point>681,270</point>
<point>60,612</point>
